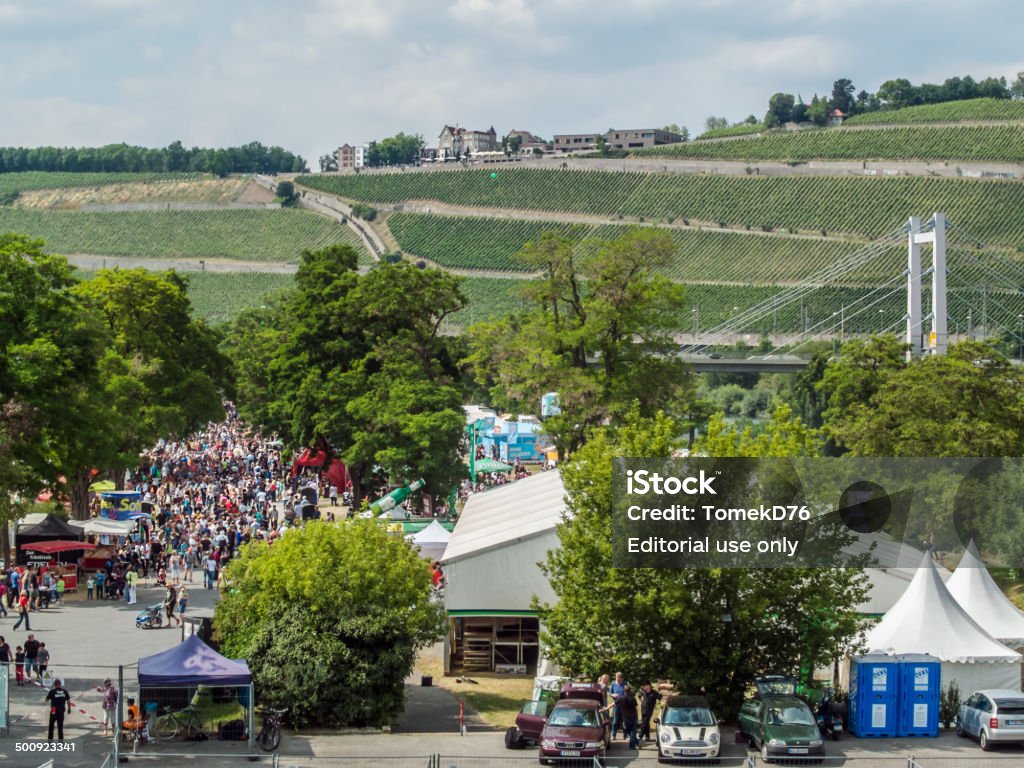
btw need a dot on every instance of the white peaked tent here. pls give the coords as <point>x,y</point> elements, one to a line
<point>431,541</point>
<point>928,620</point>
<point>974,588</point>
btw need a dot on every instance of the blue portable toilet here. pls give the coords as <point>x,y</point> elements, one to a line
<point>919,691</point>
<point>873,704</point>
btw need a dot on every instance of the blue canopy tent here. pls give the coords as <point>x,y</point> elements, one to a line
<point>192,664</point>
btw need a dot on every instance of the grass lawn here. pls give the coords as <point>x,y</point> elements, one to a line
<point>497,698</point>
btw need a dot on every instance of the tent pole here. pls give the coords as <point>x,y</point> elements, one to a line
<point>252,719</point>
<point>120,715</point>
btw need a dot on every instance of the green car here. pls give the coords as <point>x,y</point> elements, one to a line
<point>781,727</point>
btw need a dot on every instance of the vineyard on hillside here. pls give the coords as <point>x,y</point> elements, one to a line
<point>946,112</point>
<point>857,310</point>
<point>709,254</point>
<point>907,143</point>
<point>867,206</point>
<point>743,129</point>
<point>18,182</point>
<point>263,235</point>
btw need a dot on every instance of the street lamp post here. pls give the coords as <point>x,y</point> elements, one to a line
<point>696,320</point>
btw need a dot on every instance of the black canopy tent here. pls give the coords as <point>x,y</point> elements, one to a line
<point>50,528</point>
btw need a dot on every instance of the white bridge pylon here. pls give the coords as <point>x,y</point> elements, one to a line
<point>933,233</point>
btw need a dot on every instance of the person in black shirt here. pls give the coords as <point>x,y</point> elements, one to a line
<point>648,699</point>
<point>60,704</point>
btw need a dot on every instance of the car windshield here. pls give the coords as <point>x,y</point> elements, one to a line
<point>573,717</point>
<point>697,716</point>
<point>789,716</point>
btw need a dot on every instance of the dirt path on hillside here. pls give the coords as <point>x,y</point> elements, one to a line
<point>449,209</point>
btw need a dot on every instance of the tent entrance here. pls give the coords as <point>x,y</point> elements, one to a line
<point>508,644</point>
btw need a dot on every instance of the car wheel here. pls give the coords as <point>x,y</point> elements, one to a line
<point>959,729</point>
<point>764,753</point>
<point>983,741</point>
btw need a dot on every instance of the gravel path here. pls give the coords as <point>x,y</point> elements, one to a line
<point>92,263</point>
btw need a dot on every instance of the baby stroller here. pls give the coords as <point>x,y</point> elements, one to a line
<point>150,618</point>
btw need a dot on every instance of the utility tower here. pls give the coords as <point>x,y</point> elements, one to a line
<point>938,337</point>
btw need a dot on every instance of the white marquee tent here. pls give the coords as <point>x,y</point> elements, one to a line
<point>101,526</point>
<point>975,590</point>
<point>431,541</point>
<point>887,584</point>
<point>928,620</point>
<point>491,562</point>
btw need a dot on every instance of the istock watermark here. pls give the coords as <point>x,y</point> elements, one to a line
<point>820,513</point>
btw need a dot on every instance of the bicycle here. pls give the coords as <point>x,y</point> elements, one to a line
<point>183,720</point>
<point>270,735</point>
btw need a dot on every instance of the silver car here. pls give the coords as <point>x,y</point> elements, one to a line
<point>992,717</point>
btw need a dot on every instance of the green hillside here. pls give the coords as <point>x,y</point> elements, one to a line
<point>927,143</point>
<point>263,235</point>
<point>867,206</point>
<point>701,255</point>
<point>947,112</point>
<point>21,182</point>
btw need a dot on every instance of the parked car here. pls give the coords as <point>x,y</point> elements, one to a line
<point>687,728</point>
<point>578,726</point>
<point>781,726</point>
<point>994,716</point>
<point>529,724</point>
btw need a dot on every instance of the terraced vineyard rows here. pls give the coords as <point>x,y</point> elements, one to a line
<point>491,244</point>
<point>17,182</point>
<point>263,235</point>
<point>960,142</point>
<point>743,129</point>
<point>867,206</point>
<point>948,111</point>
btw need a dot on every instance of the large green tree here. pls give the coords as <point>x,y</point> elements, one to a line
<point>358,362</point>
<point>49,350</point>
<point>160,374</point>
<point>656,623</point>
<point>330,618</point>
<point>599,329</point>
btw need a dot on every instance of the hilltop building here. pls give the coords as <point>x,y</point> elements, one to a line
<point>456,142</point>
<point>349,156</point>
<point>527,141</point>
<point>616,138</point>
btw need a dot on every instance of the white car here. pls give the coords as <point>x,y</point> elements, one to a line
<point>687,729</point>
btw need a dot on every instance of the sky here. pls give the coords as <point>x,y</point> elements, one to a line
<point>310,75</point>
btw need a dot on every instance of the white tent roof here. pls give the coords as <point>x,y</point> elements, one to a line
<point>928,620</point>
<point>975,590</point>
<point>888,582</point>
<point>507,514</point>
<point>103,526</point>
<point>435,533</point>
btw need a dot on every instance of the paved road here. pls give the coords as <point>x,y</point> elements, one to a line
<point>92,263</point>
<point>89,640</point>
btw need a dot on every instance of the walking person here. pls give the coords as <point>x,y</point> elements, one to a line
<point>60,705</point>
<point>109,705</point>
<point>624,708</point>
<point>170,600</point>
<point>649,699</point>
<point>42,661</point>
<point>19,665</point>
<point>5,652</point>
<point>31,655</point>
<point>211,570</point>
<point>182,602</point>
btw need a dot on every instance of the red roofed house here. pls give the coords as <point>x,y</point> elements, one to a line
<point>836,117</point>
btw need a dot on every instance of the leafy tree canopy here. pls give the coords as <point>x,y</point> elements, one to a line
<point>654,623</point>
<point>599,330</point>
<point>330,618</point>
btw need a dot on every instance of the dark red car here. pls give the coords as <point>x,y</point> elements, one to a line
<point>578,726</point>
